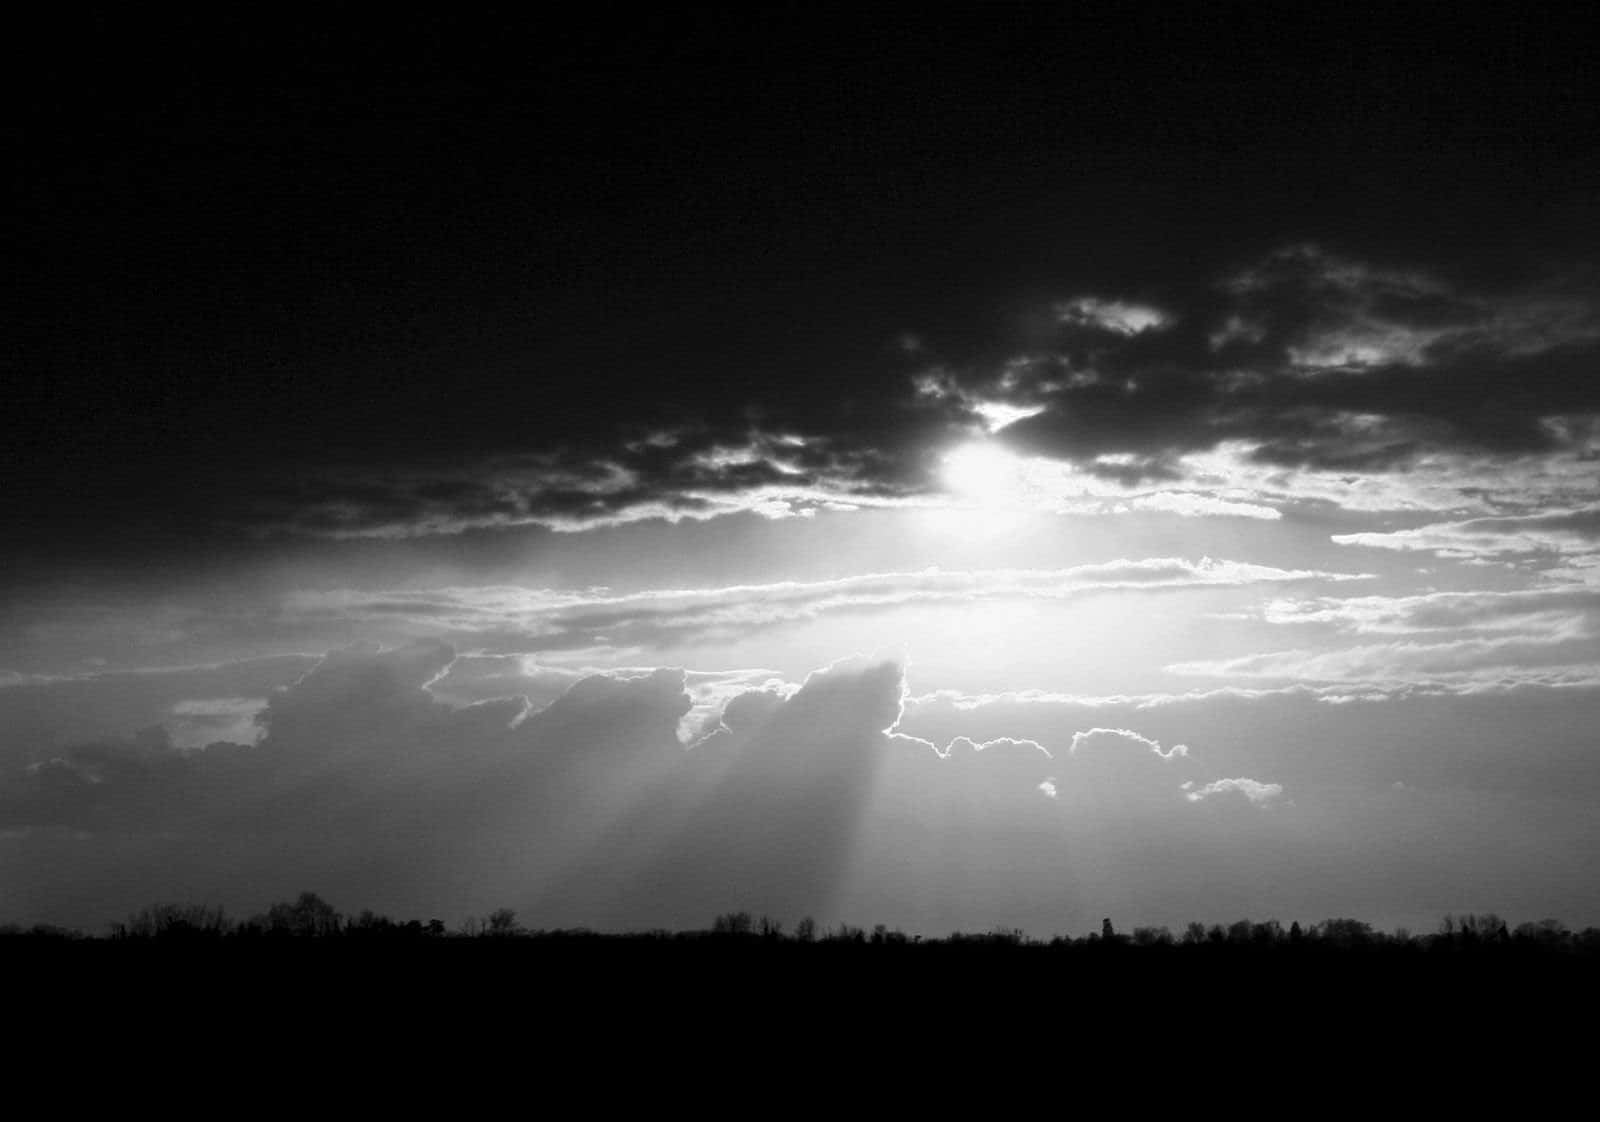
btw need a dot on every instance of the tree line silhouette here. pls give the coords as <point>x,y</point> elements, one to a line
<point>309,916</point>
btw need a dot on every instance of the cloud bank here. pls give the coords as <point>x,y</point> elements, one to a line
<point>658,796</point>
<point>1306,375</point>
<point>601,807</point>
<point>516,618</point>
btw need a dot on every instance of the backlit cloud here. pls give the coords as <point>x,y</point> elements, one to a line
<point>533,619</point>
<point>363,771</point>
<point>1117,316</point>
<point>1254,791</point>
<point>1081,739</point>
<point>1561,532</point>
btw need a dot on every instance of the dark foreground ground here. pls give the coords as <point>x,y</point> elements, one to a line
<point>578,1027</point>
<point>734,988</point>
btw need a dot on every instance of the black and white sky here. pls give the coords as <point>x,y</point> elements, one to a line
<point>1006,467</point>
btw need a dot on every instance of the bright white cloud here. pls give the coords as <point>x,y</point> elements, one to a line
<point>1426,482</point>
<point>1541,611</point>
<point>1192,504</point>
<point>1000,414</point>
<point>967,744</point>
<point>1256,792</point>
<point>551,617</point>
<point>1485,660</point>
<point>1498,681</point>
<point>1575,531</point>
<point>1081,739</point>
<point>989,476</point>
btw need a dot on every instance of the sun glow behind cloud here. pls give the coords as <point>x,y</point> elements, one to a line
<point>997,415</point>
<point>987,479</point>
<point>985,473</point>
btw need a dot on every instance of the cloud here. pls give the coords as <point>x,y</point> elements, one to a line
<point>1331,378</point>
<point>1336,312</point>
<point>42,714</point>
<point>1192,505</point>
<point>479,677</point>
<point>686,475</point>
<point>1543,611</point>
<point>1305,376</point>
<point>987,478</point>
<point>998,414</point>
<point>1409,660</point>
<point>1004,743</point>
<point>1491,733</point>
<point>1314,365</point>
<point>1080,739</point>
<point>1116,316</point>
<point>1500,681</point>
<point>198,722</point>
<point>1257,793</point>
<point>1463,642</point>
<point>1425,480</point>
<point>530,619</point>
<point>828,796</point>
<point>1558,531</point>
<point>595,807</point>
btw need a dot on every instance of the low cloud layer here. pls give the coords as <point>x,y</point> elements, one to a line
<point>1488,638</point>
<point>602,806</point>
<point>661,796</point>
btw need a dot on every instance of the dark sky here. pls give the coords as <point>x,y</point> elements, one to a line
<point>258,255</point>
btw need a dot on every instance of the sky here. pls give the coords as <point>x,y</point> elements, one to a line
<point>1007,469</point>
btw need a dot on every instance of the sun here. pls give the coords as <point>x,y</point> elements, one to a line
<point>983,472</point>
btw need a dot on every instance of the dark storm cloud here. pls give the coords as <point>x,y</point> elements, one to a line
<point>1323,361</point>
<point>1306,359</point>
<point>669,474</point>
<point>342,279</point>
